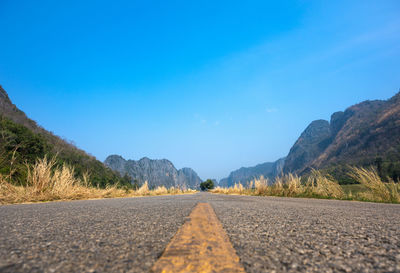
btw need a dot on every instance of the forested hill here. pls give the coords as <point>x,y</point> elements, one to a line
<point>22,141</point>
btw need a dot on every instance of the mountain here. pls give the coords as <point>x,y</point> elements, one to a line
<point>365,134</point>
<point>245,175</point>
<point>155,172</point>
<point>310,144</point>
<point>22,141</point>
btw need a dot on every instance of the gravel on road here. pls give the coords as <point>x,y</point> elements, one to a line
<point>273,234</point>
<point>108,235</point>
<point>269,234</point>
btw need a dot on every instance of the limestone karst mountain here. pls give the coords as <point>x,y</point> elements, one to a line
<point>365,134</point>
<point>155,172</point>
<point>244,175</point>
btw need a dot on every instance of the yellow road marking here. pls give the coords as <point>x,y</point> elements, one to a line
<point>200,245</point>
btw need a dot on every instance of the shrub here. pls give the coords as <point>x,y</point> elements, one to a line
<point>207,185</point>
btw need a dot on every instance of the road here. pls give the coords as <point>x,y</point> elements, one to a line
<point>269,234</point>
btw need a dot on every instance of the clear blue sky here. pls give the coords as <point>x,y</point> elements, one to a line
<point>213,85</point>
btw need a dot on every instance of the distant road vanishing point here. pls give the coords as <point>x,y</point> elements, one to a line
<point>200,233</point>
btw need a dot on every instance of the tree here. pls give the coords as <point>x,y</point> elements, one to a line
<point>378,162</point>
<point>207,185</point>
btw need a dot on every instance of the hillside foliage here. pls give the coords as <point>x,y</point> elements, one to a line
<point>21,146</point>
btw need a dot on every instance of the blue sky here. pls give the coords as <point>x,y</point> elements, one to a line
<point>213,85</point>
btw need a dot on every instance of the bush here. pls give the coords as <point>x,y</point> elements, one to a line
<point>207,185</point>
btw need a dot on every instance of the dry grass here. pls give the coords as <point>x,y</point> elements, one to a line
<point>324,186</point>
<point>377,190</point>
<point>317,185</point>
<point>46,182</point>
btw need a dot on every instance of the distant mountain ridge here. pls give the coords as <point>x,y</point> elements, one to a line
<point>244,175</point>
<point>364,134</point>
<point>156,172</point>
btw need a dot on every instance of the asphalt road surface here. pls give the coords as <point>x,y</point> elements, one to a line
<point>269,234</point>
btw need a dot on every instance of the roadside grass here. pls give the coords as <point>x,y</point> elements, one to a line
<point>46,182</point>
<point>317,185</point>
<point>377,191</point>
<point>353,188</point>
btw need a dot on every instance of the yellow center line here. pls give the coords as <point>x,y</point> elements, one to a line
<point>200,245</point>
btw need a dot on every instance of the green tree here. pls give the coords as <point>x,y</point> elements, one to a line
<point>207,185</point>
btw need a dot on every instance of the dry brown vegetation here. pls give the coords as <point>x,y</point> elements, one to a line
<point>46,182</point>
<point>317,185</point>
<point>376,190</point>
